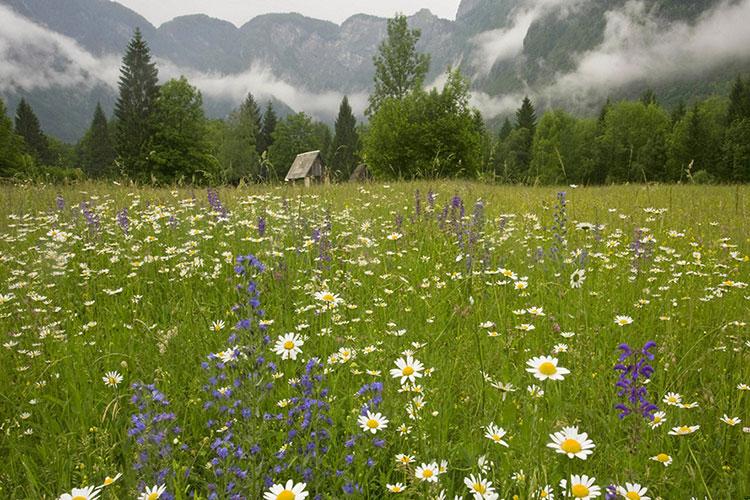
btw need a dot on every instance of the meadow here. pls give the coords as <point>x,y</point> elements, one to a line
<point>413,340</point>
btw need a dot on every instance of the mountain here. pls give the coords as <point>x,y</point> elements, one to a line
<point>547,48</point>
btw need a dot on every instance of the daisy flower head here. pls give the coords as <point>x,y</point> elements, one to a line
<point>427,472</point>
<point>480,488</point>
<point>86,493</point>
<point>496,434</point>
<point>396,488</point>
<point>545,367</point>
<point>577,278</point>
<point>404,459</point>
<point>571,443</point>
<point>409,369</point>
<point>112,379</point>
<point>289,491</point>
<point>394,236</point>
<point>672,399</point>
<point>288,346</point>
<point>581,487</point>
<point>153,493</point>
<point>110,480</point>
<point>623,320</point>
<point>372,422</point>
<point>546,493</point>
<point>730,420</point>
<point>683,430</point>
<point>659,418</point>
<point>217,326</point>
<point>330,299</point>
<point>662,458</point>
<point>633,491</point>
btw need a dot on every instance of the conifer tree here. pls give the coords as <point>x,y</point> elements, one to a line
<point>648,97</point>
<point>265,139</point>
<point>526,116</point>
<point>96,153</point>
<point>239,149</point>
<point>27,126</point>
<point>11,145</point>
<point>739,101</point>
<point>135,106</point>
<point>346,143</point>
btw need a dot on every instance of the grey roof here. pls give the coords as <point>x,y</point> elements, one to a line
<point>302,165</point>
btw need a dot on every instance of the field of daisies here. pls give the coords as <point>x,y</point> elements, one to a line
<point>436,340</point>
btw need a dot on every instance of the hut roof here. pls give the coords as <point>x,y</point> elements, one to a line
<point>302,165</point>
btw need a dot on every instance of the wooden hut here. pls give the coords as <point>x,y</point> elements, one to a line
<point>308,166</point>
<point>360,174</point>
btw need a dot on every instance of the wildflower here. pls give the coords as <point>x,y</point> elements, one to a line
<point>112,379</point>
<point>571,443</point>
<point>633,491</point>
<point>631,382</point>
<point>546,493</point>
<point>408,369</point>
<point>730,420</point>
<point>288,346</point>
<point>623,320</point>
<point>496,434</point>
<point>577,278</point>
<point>372,422</point>
<point>672,399</point>
<point>331,299</point>
<point>480,488</point>
<point>662,458</point>
<point>394,236</point>
<point>683,430</point>
<point>427,472</point>
<point>581,487</point>
<point>152,493</point>
<point>217,326</point>
<point>86,493</point>
<point>404,459</point>
<point>545,367</point>
<point>659,418</point>
<point>535,391</point>
<point>109,480</point>
<point>290,491</point>
<point>396,488</point>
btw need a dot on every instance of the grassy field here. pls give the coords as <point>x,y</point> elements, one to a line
<point>425,337</point>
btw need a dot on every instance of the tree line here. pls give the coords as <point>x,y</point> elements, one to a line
<point>160,134</point>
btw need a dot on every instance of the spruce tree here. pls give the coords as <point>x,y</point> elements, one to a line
<point>399,68</point>
<point>96,153</point>
<point>739,101</point>
<point>27,126</point>
<point>603,113</point>
<point>238,153</point>
<point>345,142</point>
<point>506,129</point>
<point>251,112</point>
<point>11,146</point>
<point>679,112</point>
<point>135,106</point>
<point>526,116</point>
<point>265,139</point>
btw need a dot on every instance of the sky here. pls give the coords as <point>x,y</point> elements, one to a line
<point>241,11</point>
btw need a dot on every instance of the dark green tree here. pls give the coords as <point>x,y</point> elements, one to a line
<point>736,151</point>
<point>648,97</point>
<point>520,143</point>
<point>426,134</point>
<point>238,153</point>
<point>678,112</point>
<point>739,101</point>
<point>11,146</point>
<point>27,126</point>
<point>562,151</point>
<point>265,139</point>
<point>95,152</point>
<point>135,106</point>
<point>179,148</point>
<point>526,115</point>
<point>505,130</point>
<point>293,135</point>
<point>346,144</point>
<point>399,68</point>
<point>603,112</point>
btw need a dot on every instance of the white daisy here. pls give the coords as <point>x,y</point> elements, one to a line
<point>571,443</point>
<point>633,491</point>
<point>427,472</point>
<point>288,346</point>
<point>112,379</point>
<point>86,493</point>
<point>372,422</point>
<point>290,491</point>
<point>581,487</point>
<point>496,434</point>
<point>545,367</point>
<point>152,493</point>
<point>408,369</point>
<point>480,488</point>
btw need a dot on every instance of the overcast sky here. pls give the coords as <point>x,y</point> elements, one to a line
<point>241,11</point>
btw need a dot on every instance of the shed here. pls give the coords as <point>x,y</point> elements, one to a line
<point>308,166</point>
<point>360,174</point>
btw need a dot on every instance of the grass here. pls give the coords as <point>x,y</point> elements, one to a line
<point>79,299</point>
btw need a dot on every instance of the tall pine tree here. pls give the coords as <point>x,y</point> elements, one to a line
<point>27,126</point>
<point>265,139</point>
<point>135,107</point>
<point>11,146</point>
<point>238,154</point>
<point>739,101</point>
<point>526,116</point>
<point>346,143</point>
<point>96,154</point>
<point>505,130</point>
<point>524,133</point>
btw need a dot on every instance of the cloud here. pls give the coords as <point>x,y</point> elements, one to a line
<point>33,57</point>
<point>640,48</point>
<point>507,43</point>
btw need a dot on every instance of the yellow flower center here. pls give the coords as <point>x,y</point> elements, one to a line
<point>580,490</point>
<point>408,370</point>
<point>662,457</point>
<point>427,473</point>
<point>288,345</point>
<point>372,423</point>
<point>543,494</point>
<point>571,446</point>
<point>153,496</point>
<point>79,497</point>
<point>632,495</point>
<point>480,488</point>
<point>684,429</point>
<point>328,297</point>
<point>396,489</point>
<point>108,480</point>
<point>547,368</point>
<point>285,495</point>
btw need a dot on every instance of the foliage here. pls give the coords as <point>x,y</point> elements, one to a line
<point>426,134</point>
<point>95,152</point>
<point>11,146</point>
<point>136,103</point>
<point>238,154</point>
<point>346,143</point>
<point>178,149</point>
<point>399,68</point>
<point>27,126</point>
<point>563,148</point>
<point>293,135</point>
